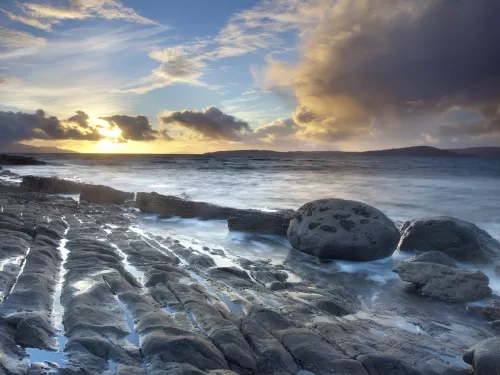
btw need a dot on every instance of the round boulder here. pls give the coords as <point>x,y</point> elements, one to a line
<point>342,229</point>
<point>459,239</point>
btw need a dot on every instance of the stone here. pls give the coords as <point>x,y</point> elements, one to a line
<point>169,206</point>
<point>52,185</point>
<point>443,282</point>
<point>342,229</point>
<point>381,364</point>
<point>101,194</point>
<point>435,257</point>
<point>484,357</point>
<point>497,270</point>
<point>492,311</point>
<point>459,239</point>
<point>260,221</point>
<point>7,159</point>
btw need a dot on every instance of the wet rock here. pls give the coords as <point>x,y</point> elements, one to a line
<point>497,270</point>
<point>52,185</point>
<point>339,302</point>
<point>168,206</point>
<point>443,282</point>
<point>379,364</point>
<point>436,257</point>
<point>11,354</point>
<point>260,221</point>
<point>234,276</point>
<point>459,239</point>
<point>272,357</point>
<point>342,229</point>
<point>7,159</point>
<point>484,357</point>
<point>101,194</point>
<point>492,311</point>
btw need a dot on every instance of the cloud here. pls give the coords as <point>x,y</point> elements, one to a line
<point>22,126</point>
<point>44,16</point>
<point>135,128</point>
<point>281,129</point>
<point>34,22</point>
<point>19,39</point>
<point>488,124</point>
<point>368,65</point>
<point>210,124</point>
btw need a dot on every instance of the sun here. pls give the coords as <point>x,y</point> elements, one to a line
<point>107,145</point>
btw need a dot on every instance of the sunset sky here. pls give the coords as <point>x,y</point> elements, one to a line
<point>191,76</point>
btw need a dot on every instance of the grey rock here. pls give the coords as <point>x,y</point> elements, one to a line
<point>436,257</point>
<point>52,185</point>
<point>484,357</point>
<point>101,194</point>
<point>443,282</point>
<point>459,239</point>
<point>380,364</point>
<point>260,221</point>
<point>342,229</point>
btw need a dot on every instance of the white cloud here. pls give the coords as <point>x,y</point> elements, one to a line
<point>19,39</point>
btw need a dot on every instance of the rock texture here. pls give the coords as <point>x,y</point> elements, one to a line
<point>436,257</point>
<point>52,185</point>
<point>8,159</point>
<point>484,357</point>
<point>342,229</point>
<point>101,194</point>
<point>459,239</point>
<point>443,282</point>
<point>238,219</point>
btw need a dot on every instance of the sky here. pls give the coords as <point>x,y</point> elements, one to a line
<point>194,76</point>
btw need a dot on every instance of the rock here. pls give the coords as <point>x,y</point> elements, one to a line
<point>435,257</point>
<point>101,194</point>
<point>52,185</point>
<point>459,239</point>
<point>497,270</point>
<point>168,206</point>
<point>484,357</point>
<point>381,364</point>
<point>342,229</point>
<point>7,159</point>
<point>492,311</point>
<point>260,221</point>
<point>443,282</point>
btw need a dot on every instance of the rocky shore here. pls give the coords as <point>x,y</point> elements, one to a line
<point>84,289</point>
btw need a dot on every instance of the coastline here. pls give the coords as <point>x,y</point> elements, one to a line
<point>136,302</point>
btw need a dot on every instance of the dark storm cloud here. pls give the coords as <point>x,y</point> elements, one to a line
<point>373,63</point>
<point>210,123</point>
<point>81,118</point>
<point>135,128</point>
<point>26,126</point>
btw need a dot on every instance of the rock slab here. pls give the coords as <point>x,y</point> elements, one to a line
<point>342,229</point>
<point>101,194</point>
<point>443,282</point>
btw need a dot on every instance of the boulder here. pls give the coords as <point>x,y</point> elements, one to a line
<point>260,221</point>
<point>436,257</point>
<point>7,159</point>
<point>101,194</point>
<point>484,357</point>
<point>342,229</point>
<point>443,282</point>
<point>459,239</point>
<point>52,185</point>
<point>492,311</point>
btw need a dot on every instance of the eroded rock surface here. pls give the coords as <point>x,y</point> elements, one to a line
<point>443,282</point>
<point>459,239</point>
<point>83,283</point>
<point>342,229</point>
<point>484,357</point>
<point>52,185</point>
<point>101,194</point>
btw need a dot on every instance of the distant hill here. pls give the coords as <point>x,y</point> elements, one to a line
<point>27,149</point>
<point>479,151</point>
<point>416,151</point>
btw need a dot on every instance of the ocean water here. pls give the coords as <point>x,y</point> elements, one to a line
<point>402,187</point>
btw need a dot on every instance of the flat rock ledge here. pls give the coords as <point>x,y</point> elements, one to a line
<point>444,282</point>
<point>84,285</point>
<point>238,219</point>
